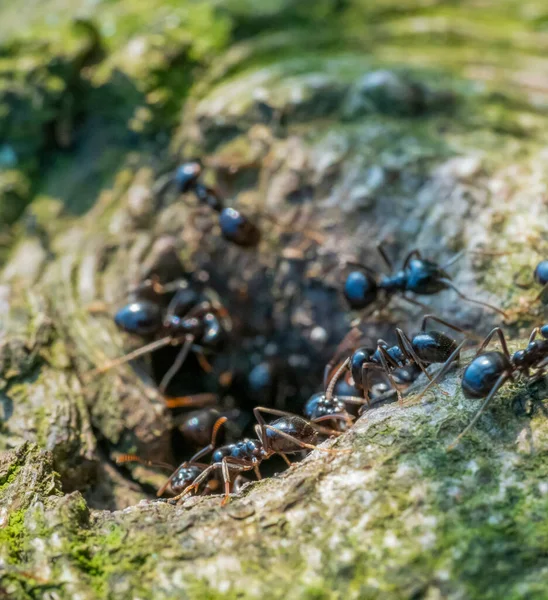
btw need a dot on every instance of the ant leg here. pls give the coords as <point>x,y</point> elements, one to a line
<point>211,446</point>
<point>453,259</point>
<point>498,383</point>
<point>162,343</point>
<point>415,302</point>
<point>194,401</point>
<point>235,464</point>
<point>446,365</point>
<point>496,331</point>
<point>177,364</point>
<point>304,444</point>
<point>348,343</point>
<point>127,458</point>
<point>384,255</point>
<point>257,472</point>
<point>406,347</point>
<point>335,379</point>
<point>204,363</point>
<point>450,284</point>
<point>287,461</point>
<point>388,374</point>
<point>334,417</point>
<point>416,252</point>
<point>368,270</point>
<point>468,334</point>
<point>534,334</point>
<point>431,317</point>
<point>366,380</point>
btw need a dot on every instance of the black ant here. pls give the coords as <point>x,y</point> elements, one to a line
<point>286,435</point>
<point>235,226</point>
<point>187,472</point>
<point>418,275</point>
<point>421,350</point>
<point>489,371</point>
<point>189,320</point>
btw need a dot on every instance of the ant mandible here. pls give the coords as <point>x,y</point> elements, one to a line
<point>418,275</point>
<point>286,435</point>
<point>489,371</point>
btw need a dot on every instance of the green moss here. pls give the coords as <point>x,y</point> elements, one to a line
<point>10,476</point>
<point>15,536</point>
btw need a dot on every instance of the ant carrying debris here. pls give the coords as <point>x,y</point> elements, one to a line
<point>418,275</point>
<point>489,371</point>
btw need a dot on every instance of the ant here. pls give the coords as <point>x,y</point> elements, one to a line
<point>190,320</point>
<point>235,226</point>
<point>489,371</point>
<point>187,472</point>
<point>418,275</point>
<point>286,435</point>
<point>421,350</point>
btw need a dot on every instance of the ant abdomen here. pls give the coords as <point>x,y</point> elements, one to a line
<point>482,373</point>
<point>360,289</point>
<point>237,228</point>
<point>541,272</point>
<point>141,317</point>
<point>295,427</point>
<point>433,346</point>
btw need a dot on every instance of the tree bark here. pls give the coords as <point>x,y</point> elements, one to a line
<point>422,124</point>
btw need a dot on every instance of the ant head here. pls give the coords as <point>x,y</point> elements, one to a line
<point>237,228</point>
<point>184,477</point>
<point>139,318</point>
<point>320,406</point>
<point>519,358</point>
<point>541,272</point>
<point>360,289</point>
<point>187,175</point>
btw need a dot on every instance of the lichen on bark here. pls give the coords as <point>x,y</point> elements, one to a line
<point>358,120</point>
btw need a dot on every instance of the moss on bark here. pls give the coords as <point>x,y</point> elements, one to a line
<point>423,123</point>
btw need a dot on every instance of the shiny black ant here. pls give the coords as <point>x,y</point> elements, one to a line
<point>188,471</point>
<point>235,226</point>
<point>286,435</point>
<point>421,350</point>
<point>489,371</point>
<point>196,323</point>
<point>418,275</point>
